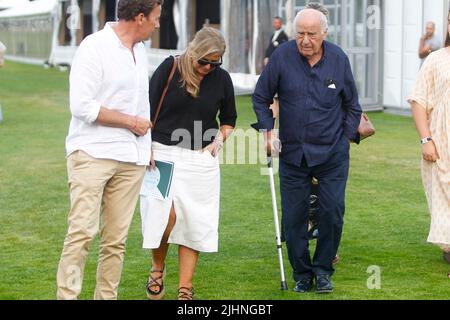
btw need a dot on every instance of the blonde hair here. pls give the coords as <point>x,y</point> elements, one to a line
<point>207,41</point>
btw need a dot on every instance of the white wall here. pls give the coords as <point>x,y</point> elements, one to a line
<point>412,30</point>
<point>393,52</point>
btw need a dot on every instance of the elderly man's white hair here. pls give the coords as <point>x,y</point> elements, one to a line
<point>323,18</point>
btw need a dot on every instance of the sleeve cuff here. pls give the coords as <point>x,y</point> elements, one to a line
<point>93,112</point>
<point>420,101</point>
<point>356,138</point>
<point>266,125</point>
<point>353,136</point>
<point>228,122</point>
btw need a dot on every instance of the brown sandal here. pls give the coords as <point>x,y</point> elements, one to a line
<point>185,293</point>
<point>336,260</point>
<point>156,282</point>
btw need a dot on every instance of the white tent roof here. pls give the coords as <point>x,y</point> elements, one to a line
<point>6,4</point>
<point>29,8</point>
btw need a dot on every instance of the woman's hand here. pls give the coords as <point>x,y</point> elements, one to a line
<point>420,115</point>
<point>429,152</point>
<point>152,163</point>
<point>209,148</point>
<point>215,147</point>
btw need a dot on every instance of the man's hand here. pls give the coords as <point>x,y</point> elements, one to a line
<point>429,152</point>
<point>140,126</point>
<point>428,48</point>
<point>426,36</point>
<point>273,144</point>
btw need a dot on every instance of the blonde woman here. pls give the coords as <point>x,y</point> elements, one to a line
<point>197,115</point>
<point>430,101</point>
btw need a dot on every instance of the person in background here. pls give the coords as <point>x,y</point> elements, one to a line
<point>108,145</point>
<point>187,133</point>
<point>278,38</point>
<point>2,54</point>
<point>429,42</point>
<point>430,103</point>
<point>2,63</point>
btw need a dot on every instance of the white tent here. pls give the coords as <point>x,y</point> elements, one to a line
<point>29,29</point>
<point>6,4</point>
<point>25,8</point>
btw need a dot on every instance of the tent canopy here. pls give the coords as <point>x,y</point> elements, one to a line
<point>6,4</point>
<point>22,8</point>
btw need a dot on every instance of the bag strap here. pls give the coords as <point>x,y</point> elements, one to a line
<point>158,110</point>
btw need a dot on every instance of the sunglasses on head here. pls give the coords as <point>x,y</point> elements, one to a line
<point>213,64</point>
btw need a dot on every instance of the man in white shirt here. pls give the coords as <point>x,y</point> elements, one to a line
<point>108,145</point>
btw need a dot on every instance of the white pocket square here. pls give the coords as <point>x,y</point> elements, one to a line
<point>332,86</point>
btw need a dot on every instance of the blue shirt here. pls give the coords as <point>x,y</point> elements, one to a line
<point>319,106</point>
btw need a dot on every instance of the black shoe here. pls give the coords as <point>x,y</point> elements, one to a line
<point>323,284</point>
<point>304,286</point>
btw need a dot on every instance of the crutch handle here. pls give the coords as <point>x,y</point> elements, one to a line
<point>269,161</point>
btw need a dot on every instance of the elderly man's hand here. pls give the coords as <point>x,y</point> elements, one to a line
<point>273,144</point>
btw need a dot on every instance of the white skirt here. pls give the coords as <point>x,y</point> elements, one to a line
<point>195,194</point>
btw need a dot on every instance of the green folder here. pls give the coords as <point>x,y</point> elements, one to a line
<point>166,172</point>
<point>157,183</point>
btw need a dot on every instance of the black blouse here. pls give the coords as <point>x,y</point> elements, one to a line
<point>188,122</point>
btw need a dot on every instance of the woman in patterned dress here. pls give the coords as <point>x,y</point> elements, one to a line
<point>430,102</point>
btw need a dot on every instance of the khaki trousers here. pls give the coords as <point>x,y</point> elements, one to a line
<point>101,191</point>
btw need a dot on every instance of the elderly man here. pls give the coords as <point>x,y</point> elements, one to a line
<point>319,116</point>
<point>108,146</point>
<point>429,42</point>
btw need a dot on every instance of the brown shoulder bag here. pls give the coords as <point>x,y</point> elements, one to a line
<point>161,100</point>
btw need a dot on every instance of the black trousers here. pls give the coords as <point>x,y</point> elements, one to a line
<point>295,184</point>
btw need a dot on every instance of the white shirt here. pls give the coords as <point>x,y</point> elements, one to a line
<point>104,74</point>
<point>276,35</point>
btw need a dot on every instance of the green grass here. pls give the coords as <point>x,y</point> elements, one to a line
<point>386,218</point>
